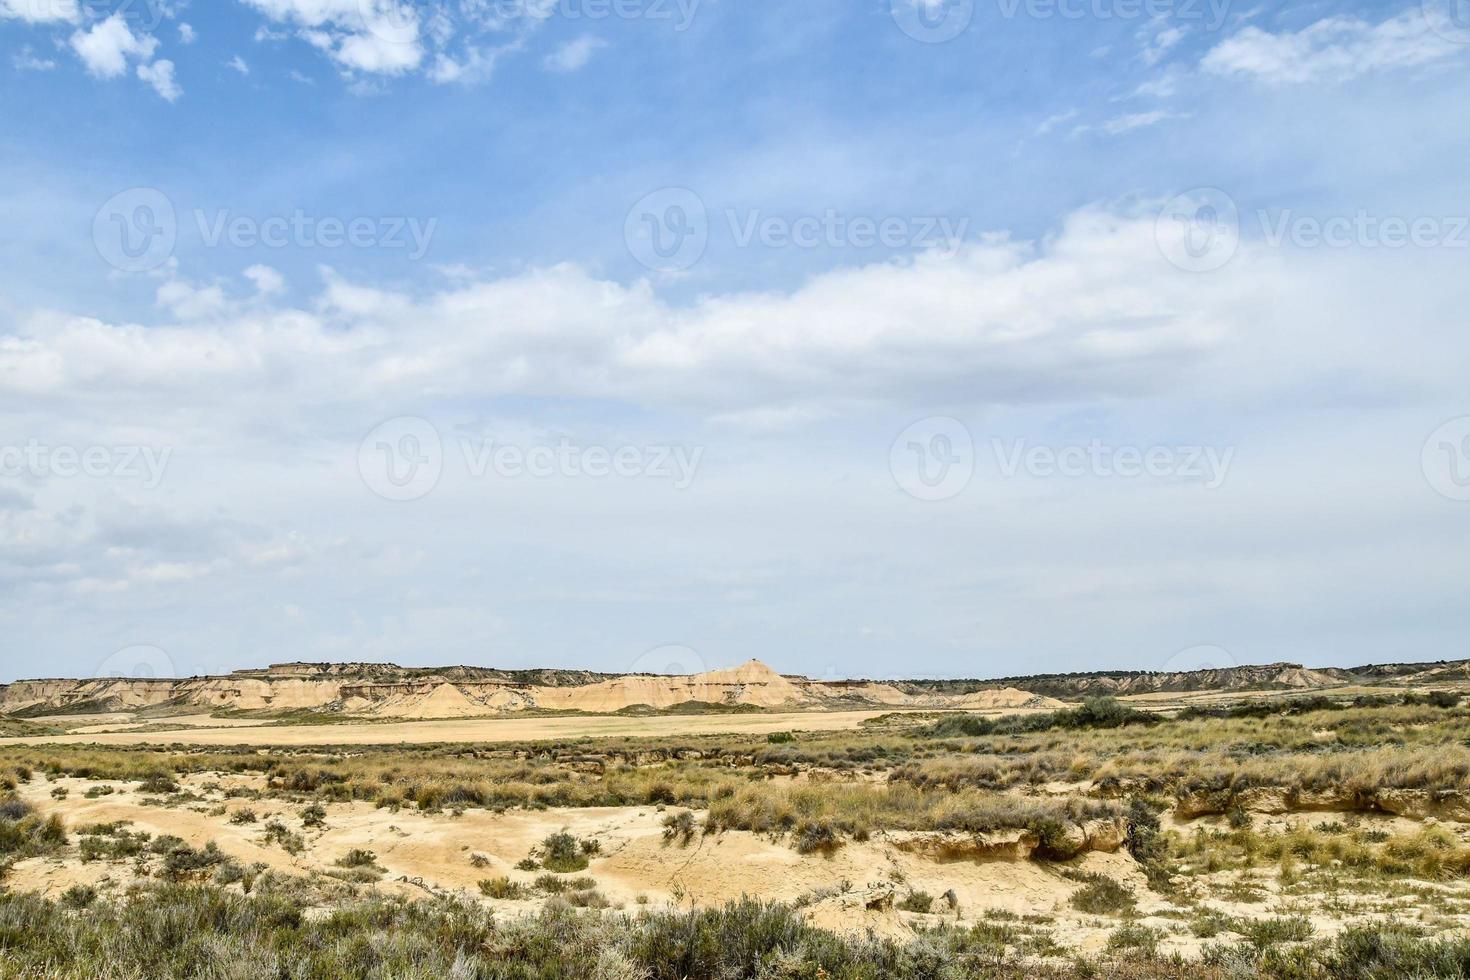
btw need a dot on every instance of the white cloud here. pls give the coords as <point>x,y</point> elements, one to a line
<point>1159,41</point>
<point>448,42</point>
<point>574,55</point>
<point>189,302</point>
<point>187,34</point>
<point>26,60</point>
<point>372,36</point>
<point>106,47</point>
<point>1093,310</point>
<point>238,64</point>
<point>41,11</point>
<point>1128,122</point>
<point>160,74</point>
<point>1053,121</point>
<point>267,281</point>
<point>1332,49</point>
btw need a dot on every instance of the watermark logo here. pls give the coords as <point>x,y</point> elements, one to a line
<point>833,229</point>
<point>402,459</point>
<point>1207,465</point>
<point>140,662</point>
<point>1450,19</point>
<point>932,21</point>
<point>1445,459</point>
<point>1364,229</point>
<point>1203,657</point>
<point>669,660</point>
<point>143,15</point>
<point>668,230</point>
<point>390,20</point>
<point>569,460</point>
<point>933,459</point>
<point>1199,230</point>
<point>146,464</point>
<point>307,231</point>
<point>136,230</point>
<point>680,13</point>
<point>1209,14</point>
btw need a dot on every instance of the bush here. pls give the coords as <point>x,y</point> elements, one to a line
<point>182,861</point>
<point>314,816</point>
<point>562,853</point>
<point>816,837</point>
<point>78,896</point>
<point>503,888</point>
<point>917,902</point>
<point>1262,933</point>
<point>1102,896</point>
<point>358,858</point>
<point>243,816</point>
<point>1133,936</point>
<point>158,783</point>
<point>679,828</point>
<point>277,832</point>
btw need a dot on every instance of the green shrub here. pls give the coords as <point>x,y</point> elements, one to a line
<point>679,828</point>
<point>1102,896</point>
<point>562,853</point>
<point>79,896</point>
<point>503,888</point>
<point>917,902</point>
<point>358,858</point>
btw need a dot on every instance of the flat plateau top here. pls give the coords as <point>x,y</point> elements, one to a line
<point>468,730</point>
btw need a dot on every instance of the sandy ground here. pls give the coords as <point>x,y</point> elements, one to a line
<point>461,730</point>
<point>636,867</point>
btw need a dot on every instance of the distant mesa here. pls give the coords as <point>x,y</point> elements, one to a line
<point>391,691</point>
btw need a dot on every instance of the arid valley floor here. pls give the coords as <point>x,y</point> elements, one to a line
<point>1261,821</point>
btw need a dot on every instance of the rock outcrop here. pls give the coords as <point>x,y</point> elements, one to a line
<point>387,691</point>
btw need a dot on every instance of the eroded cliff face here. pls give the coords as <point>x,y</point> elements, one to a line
<point>382,690</point>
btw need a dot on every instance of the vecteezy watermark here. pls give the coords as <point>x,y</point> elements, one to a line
<point>1205,656</point>
<point>833,229</point>
<point>404,459</point>
<point>667,230</point>
<point>1450,19</point>
<point>670,229</point>
<point>1445,459</point>
<point>1363,229</point>
<point>932,21</point>
<point>142,661</point>
<point>933,459</point>
<point>138,230</point>
<point>143,15</point>
<point>677,13</point>
<point>1208,465</point>
<point>302,230</point>
<point>1209,14</point>
<point>670,659</point>
<point>1201,230</point>
<point>145,464</point>
<point>394,21</point>
<point>678,464</point>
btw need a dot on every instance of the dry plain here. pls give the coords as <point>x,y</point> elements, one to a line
<point>1201,833</point>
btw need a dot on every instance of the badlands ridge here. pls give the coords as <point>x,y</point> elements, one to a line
<point>388,691</point>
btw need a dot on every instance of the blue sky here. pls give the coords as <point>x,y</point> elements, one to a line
<point>1033,301</point>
